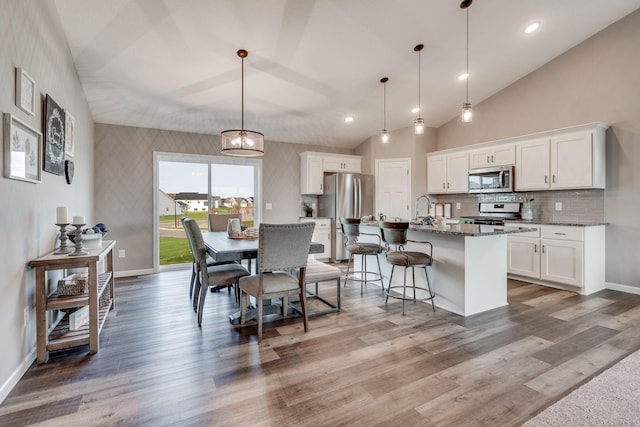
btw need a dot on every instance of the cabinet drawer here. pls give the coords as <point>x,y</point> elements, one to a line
<point>562,232</point>
<point>528,233</point>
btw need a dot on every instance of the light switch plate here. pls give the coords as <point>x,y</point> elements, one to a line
<point>268,206</point>
<point>458,205</point>
<point>558,206</point>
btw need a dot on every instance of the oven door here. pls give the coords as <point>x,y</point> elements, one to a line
<point>491,180</point>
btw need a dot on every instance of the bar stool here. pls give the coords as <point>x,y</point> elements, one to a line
<point>395,233</point>
<point>351,231</point>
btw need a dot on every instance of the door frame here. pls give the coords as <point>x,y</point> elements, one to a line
<point>159,156</point>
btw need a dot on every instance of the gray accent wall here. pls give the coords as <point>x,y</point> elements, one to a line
<point>124,183</point>
<point>31,37</point>
<point>595,81</point>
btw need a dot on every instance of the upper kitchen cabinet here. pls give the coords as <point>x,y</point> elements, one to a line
<point>313,165</point>
<point>564,160</point>
<point>448,173</point>
<point>499,155</point>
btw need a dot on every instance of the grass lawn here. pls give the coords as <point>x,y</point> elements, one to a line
<point>174,250</point>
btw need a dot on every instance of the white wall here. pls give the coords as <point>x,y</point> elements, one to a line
<point>31,38</point>
<point>595,81</point>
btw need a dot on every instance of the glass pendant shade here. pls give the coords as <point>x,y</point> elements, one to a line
<point>419,122</point>
<point>384,136</point>
<point>419,126</point>
<point>241,142</point>
<point>467,112</point>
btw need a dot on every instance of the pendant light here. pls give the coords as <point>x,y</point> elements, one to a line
<point>467,112</point>
<point>384,136</point>
<point>241,142</point>
<point>419,122</point>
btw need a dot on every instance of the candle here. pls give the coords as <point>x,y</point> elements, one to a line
<point>62,215</point>
<point>78,219</point>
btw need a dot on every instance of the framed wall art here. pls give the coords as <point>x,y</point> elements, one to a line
<point>54,137</point>
<point>25,92</point>
<point>22,150</point>
<point>70,135</point>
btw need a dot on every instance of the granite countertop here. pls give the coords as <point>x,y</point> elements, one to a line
<point>470,229</point>
<point>562,223</point>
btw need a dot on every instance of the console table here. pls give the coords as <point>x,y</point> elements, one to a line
<point>55,334</point>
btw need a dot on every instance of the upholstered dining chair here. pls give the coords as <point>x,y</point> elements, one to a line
<point>218,222</point>
<point>194,263</point>
<point>215,276</point>
<point>280,247</point>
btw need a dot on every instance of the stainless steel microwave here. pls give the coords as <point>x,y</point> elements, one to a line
<point>491,180</point>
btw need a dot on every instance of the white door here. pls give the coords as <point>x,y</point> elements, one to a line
<point>393,187</point>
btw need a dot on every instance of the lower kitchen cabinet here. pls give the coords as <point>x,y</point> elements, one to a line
<point>567,257</point>
<point>321,234</point>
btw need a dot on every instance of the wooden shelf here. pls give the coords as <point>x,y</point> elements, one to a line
<point>60,302</point>
<point>55,335</point>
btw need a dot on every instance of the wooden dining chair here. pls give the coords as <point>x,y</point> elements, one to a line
<point>281,247</point>
<point>215,276</point>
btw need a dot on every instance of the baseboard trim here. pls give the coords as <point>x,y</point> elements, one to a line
<point>130,273</point>
<point>623,288</point>
<point>13,379</point>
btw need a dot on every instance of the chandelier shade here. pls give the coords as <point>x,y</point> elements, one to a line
<point>242,142</point>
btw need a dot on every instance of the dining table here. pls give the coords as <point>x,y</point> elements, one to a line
<point>221,247</point>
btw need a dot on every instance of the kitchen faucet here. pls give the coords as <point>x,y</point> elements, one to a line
<point>426,219</point>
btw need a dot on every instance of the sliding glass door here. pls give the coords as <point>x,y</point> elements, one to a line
<point>196,186</point>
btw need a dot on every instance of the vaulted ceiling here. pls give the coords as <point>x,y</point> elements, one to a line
<point>172,64</point>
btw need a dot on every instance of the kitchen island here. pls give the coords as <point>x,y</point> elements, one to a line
<point>469,273</point>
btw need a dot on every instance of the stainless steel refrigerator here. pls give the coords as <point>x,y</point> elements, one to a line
<point>348,195</point>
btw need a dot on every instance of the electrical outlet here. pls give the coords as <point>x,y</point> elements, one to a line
<point>26,316</point>
<point>122,253</point>
<point>458,205</point>
<point>558,206</point>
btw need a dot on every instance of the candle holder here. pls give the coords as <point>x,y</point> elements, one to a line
<point>78,241</point>
<point>64,248</point>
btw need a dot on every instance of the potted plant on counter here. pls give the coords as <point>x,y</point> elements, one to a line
<point>308,210</point>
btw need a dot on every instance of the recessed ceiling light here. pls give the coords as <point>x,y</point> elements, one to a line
<point>532,27</point>
<point>415,110</point>
<point>463,76</point>
<point>348,119</point>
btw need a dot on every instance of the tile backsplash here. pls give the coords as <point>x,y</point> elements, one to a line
<point>577,205</point>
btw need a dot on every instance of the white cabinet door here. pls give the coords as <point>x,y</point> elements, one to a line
<point>524,256</point>
<point>500,155</point>
<point>562,261</point>
<point>437,174</point>
<point>572,160</point>
<point>311,175</point>
<point>342,164</point>
<point>458,172</point>
<point>532,165</point>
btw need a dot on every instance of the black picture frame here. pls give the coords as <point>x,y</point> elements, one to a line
<point>54,136</point>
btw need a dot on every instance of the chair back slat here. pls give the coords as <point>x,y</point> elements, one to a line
<point>199,249</point>
<point>218,222</point>
<point>284,246</point>
<point>350,226</point>
<point>394,233</point>
<point>187,231</point>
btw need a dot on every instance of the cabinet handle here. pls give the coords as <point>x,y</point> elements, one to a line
<point>542,248</point>
<point>546,179</point>
<point>560,234</point>
<point>321,186</point>
<point>488,161</point>
<point>443,186</point>
<point>553,178</point>
<point>328,236</point>
<point>535,248</point>
<point>447,185</point>
<point>492,158</point>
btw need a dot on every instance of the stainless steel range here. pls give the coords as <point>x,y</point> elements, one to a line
<point>494,213</point>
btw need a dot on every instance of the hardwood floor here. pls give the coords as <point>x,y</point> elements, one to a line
<point>367,365</point>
